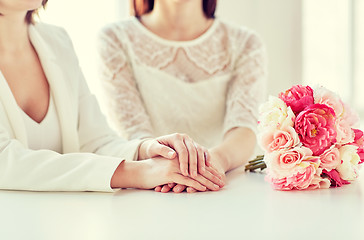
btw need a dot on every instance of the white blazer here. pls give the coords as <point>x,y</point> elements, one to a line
<point>91,150</point>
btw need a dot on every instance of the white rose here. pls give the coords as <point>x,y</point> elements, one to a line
<point>348,169</point>
<point>275,114</point>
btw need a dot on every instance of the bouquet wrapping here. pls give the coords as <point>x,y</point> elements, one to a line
<point>310,139</point>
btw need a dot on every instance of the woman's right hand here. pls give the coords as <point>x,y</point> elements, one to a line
<point>150,173</point>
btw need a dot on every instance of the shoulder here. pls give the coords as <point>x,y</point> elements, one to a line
<point>52,34</point>
<point>117,29</point>
<point>241,36</point>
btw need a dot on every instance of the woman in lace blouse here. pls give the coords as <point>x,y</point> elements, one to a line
<point>174,67</point>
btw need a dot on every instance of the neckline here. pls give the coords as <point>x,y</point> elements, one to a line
<point>156,37</point>
<point>50,108</point>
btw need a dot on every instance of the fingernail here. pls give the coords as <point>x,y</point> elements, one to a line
<point>170,154</point>
<point>216,187</point>
<point>194,174</point>
<point>202,169</point>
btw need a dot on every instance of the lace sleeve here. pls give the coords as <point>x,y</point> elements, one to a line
<point>125,107</point>
<point>247,87</point>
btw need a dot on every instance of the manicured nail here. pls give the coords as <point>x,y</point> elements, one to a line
<point>216,187</point>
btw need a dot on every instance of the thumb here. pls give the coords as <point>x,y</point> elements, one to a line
<point>163,151</point>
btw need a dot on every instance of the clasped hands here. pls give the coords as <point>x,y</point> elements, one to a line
<point>180,164</point>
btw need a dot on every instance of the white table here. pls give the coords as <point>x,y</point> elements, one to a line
<point>247,208</point>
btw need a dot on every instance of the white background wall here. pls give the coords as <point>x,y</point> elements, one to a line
<point>278,22</point>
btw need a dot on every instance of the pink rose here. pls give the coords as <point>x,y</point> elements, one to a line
<point>316,128</point>
<point>298,97</point>
<point>284,163</point>
<point>330,158</point>
<point>274,139</point>
<point>300,180</point>
<point>334,176</point>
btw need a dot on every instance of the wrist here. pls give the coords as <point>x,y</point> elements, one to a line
<point>128,175</point>
<point>219,158</point>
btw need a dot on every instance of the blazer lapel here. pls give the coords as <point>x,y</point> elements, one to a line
<point>56,79</point>
<point>13,111</point>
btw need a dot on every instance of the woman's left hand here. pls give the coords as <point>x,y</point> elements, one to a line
<point>193,158</point>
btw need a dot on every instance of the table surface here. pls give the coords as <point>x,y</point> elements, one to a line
<point>246,208</point>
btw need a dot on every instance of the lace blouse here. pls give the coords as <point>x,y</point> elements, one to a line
<point>203,87</point>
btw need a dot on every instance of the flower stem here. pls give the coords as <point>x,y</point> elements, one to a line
<point>256,163</point>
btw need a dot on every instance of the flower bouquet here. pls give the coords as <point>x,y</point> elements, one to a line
<point>310,139</point>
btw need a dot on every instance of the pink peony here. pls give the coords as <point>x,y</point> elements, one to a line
<point>301,179</point>
<point>316,128</point>
<point>298,97</point>
<point>334,176</point>
<point>360,152</point>
<point>329,98</point>
<point>330,158</point>
<point>274,139</point>
<point>358,137</point>
<point>359,142</point>
<point>344,133</point>
<point>318,181</point>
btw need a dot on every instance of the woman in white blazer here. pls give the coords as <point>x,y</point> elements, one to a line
<point>52,133</point>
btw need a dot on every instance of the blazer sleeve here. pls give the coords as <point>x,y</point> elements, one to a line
<point>44,170</point>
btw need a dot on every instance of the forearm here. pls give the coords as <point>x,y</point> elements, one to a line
<point>236,149</point>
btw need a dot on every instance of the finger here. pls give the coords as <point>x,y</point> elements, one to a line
<point>208,158</point>
<point>200,159</point>
<point>179,188</point>
<point>183,180</point>
<point>207,183</point>
<point>171,185</point>
<point>213,178</point>
<point>192,157</point>
<point>159,149</point>
<point>191,190</point>
<point>158,188</point>
<point>182,153</point>
<point>215,172</point>
<point>165,189</point>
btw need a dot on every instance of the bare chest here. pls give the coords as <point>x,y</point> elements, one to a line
<point>29,85</point>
